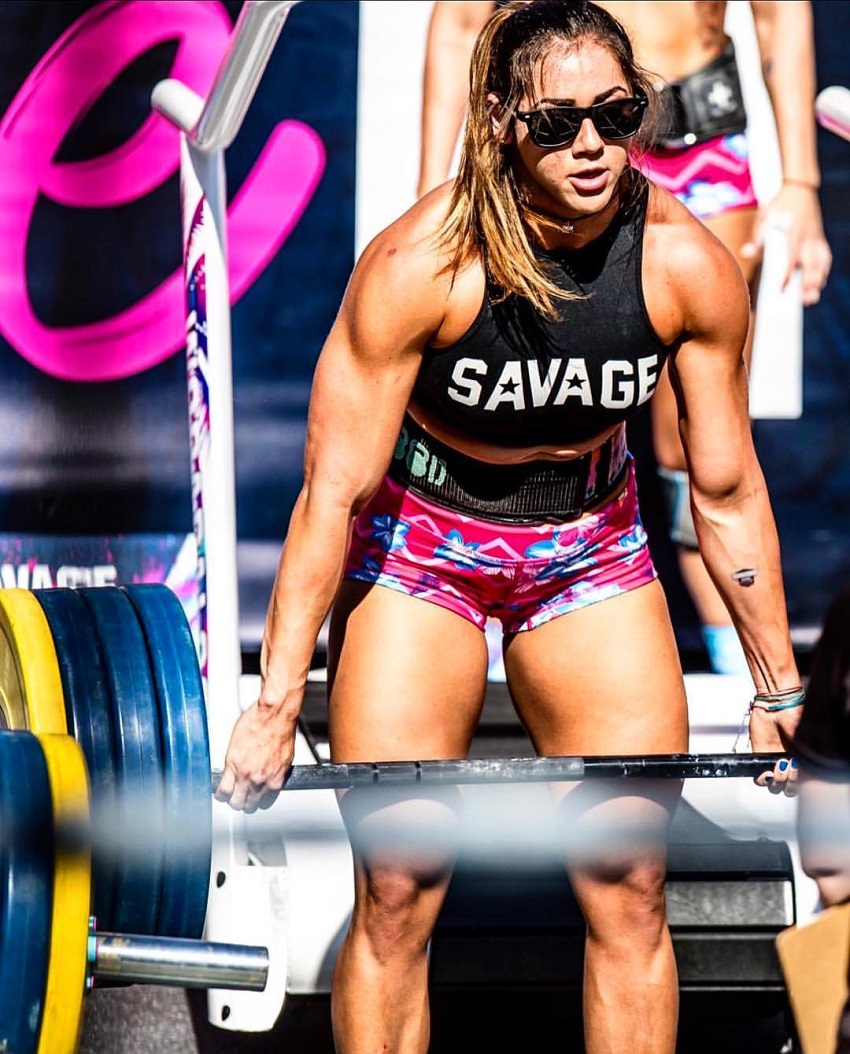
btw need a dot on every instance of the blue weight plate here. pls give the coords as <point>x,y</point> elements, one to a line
<point>26,888</point>
<point>89,716</point>
<point>187,833</point>
<point>136,838</point>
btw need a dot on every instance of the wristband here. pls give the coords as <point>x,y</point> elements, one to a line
<point>775,701</point>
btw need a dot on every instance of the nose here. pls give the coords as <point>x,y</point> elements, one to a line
<point>588,140</point>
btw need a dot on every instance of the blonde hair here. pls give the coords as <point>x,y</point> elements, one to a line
<point>484,219</point>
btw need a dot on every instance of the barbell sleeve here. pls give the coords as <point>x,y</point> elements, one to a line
<point>177,962</point>
<point>340,776</point>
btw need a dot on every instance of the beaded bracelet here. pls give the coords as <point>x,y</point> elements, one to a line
<point>774,701</point>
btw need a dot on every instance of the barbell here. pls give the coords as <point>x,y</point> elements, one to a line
<point>458,771</point>
<point>50,952</point>
<point>106,682</point>
<point>117,668</point>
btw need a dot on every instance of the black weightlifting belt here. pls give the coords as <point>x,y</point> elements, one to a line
<point>704,105</point>
<point>532,492</point>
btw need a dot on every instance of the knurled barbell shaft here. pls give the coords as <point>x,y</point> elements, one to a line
<point>177,962</point>
<point>339,776</point>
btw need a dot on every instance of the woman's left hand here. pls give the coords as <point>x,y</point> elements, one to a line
<point>773,732</point>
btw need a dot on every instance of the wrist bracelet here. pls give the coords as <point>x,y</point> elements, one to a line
<point>773,701</point>
<point>802,183</point>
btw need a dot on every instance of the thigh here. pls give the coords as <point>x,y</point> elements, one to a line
<point>406,683</point>
<point>606,680</point>
<point>735,228</point>
<point>406,677</point>
<point>603,679</point>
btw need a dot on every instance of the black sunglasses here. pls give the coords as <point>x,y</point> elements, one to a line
<point>559,125</point>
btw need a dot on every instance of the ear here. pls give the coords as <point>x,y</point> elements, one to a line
<point>502,131</point>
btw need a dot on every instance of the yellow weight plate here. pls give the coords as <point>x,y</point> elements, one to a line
<point>66,971</point>
<point>30,682</point>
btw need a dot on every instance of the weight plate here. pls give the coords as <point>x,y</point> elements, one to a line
<point>26,888</point>
<point>89,717</point>
<point>135,831</point>
<point>30,686</point>
<point>69,931</point>
<point>187,832</point>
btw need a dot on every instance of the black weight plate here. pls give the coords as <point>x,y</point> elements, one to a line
<point>137,862</point>
<point>26,888</point>
<point>187,833</point>
<point>88,711</point>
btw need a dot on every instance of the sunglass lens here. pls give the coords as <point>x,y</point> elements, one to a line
<point>619,119</point>
<point>552,128</point>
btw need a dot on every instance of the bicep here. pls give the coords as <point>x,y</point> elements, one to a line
<point>709,376</point>
<point>367,369</point>
<point>356,409</point>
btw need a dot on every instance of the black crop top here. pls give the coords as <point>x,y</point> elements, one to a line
<point>517,378</point>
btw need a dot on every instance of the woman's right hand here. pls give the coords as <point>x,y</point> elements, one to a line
<point>259,757</point>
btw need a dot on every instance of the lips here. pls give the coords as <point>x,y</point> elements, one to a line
<point>590,181</point>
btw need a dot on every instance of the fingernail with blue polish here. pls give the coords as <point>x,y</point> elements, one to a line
<point>783,765</point>
<point>794,763</point>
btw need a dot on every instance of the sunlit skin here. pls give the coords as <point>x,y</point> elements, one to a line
<point>580,179</point>
<point>673,39</point>
<point>407,678</point>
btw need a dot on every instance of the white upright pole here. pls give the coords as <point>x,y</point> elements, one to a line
<point>207,128</point>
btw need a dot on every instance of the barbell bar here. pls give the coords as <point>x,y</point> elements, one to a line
<point>344,776</point>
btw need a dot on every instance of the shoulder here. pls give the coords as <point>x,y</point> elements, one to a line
<point>401,281</point>
<point>411,249</point>
<point>698,272</point>
<point>410,244</point>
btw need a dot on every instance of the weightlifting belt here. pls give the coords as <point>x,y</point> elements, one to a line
<point>532,492</point>
<point>703,105</point>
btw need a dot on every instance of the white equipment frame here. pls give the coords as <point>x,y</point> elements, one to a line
<point>242,896</point>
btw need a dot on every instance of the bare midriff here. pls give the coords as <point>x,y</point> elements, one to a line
<point>672,38</point>
<point>495,453</point>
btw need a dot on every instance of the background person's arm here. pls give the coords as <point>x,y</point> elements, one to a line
<point>452,29</point>
<point>785,34</point>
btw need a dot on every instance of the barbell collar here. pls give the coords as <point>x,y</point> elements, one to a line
<point>343,776</point>
<point>177,961</point>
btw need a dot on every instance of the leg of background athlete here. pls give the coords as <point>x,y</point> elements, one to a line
<point>407,683</point>
<point>606,679</point>
<point>733,228</point>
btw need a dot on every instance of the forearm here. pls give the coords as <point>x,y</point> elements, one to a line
<point>445,88</point>
<point>788,62</point>
<point>308,576</point>
<point>737,533</point>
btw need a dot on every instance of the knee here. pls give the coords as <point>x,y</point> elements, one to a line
<point>627,907</point>
<point>396,912</point>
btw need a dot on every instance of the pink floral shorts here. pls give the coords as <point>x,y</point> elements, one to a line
<point>522,575</point>
<point>709,178</point>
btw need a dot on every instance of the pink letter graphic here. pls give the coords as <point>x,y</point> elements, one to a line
<point>58,92</point>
